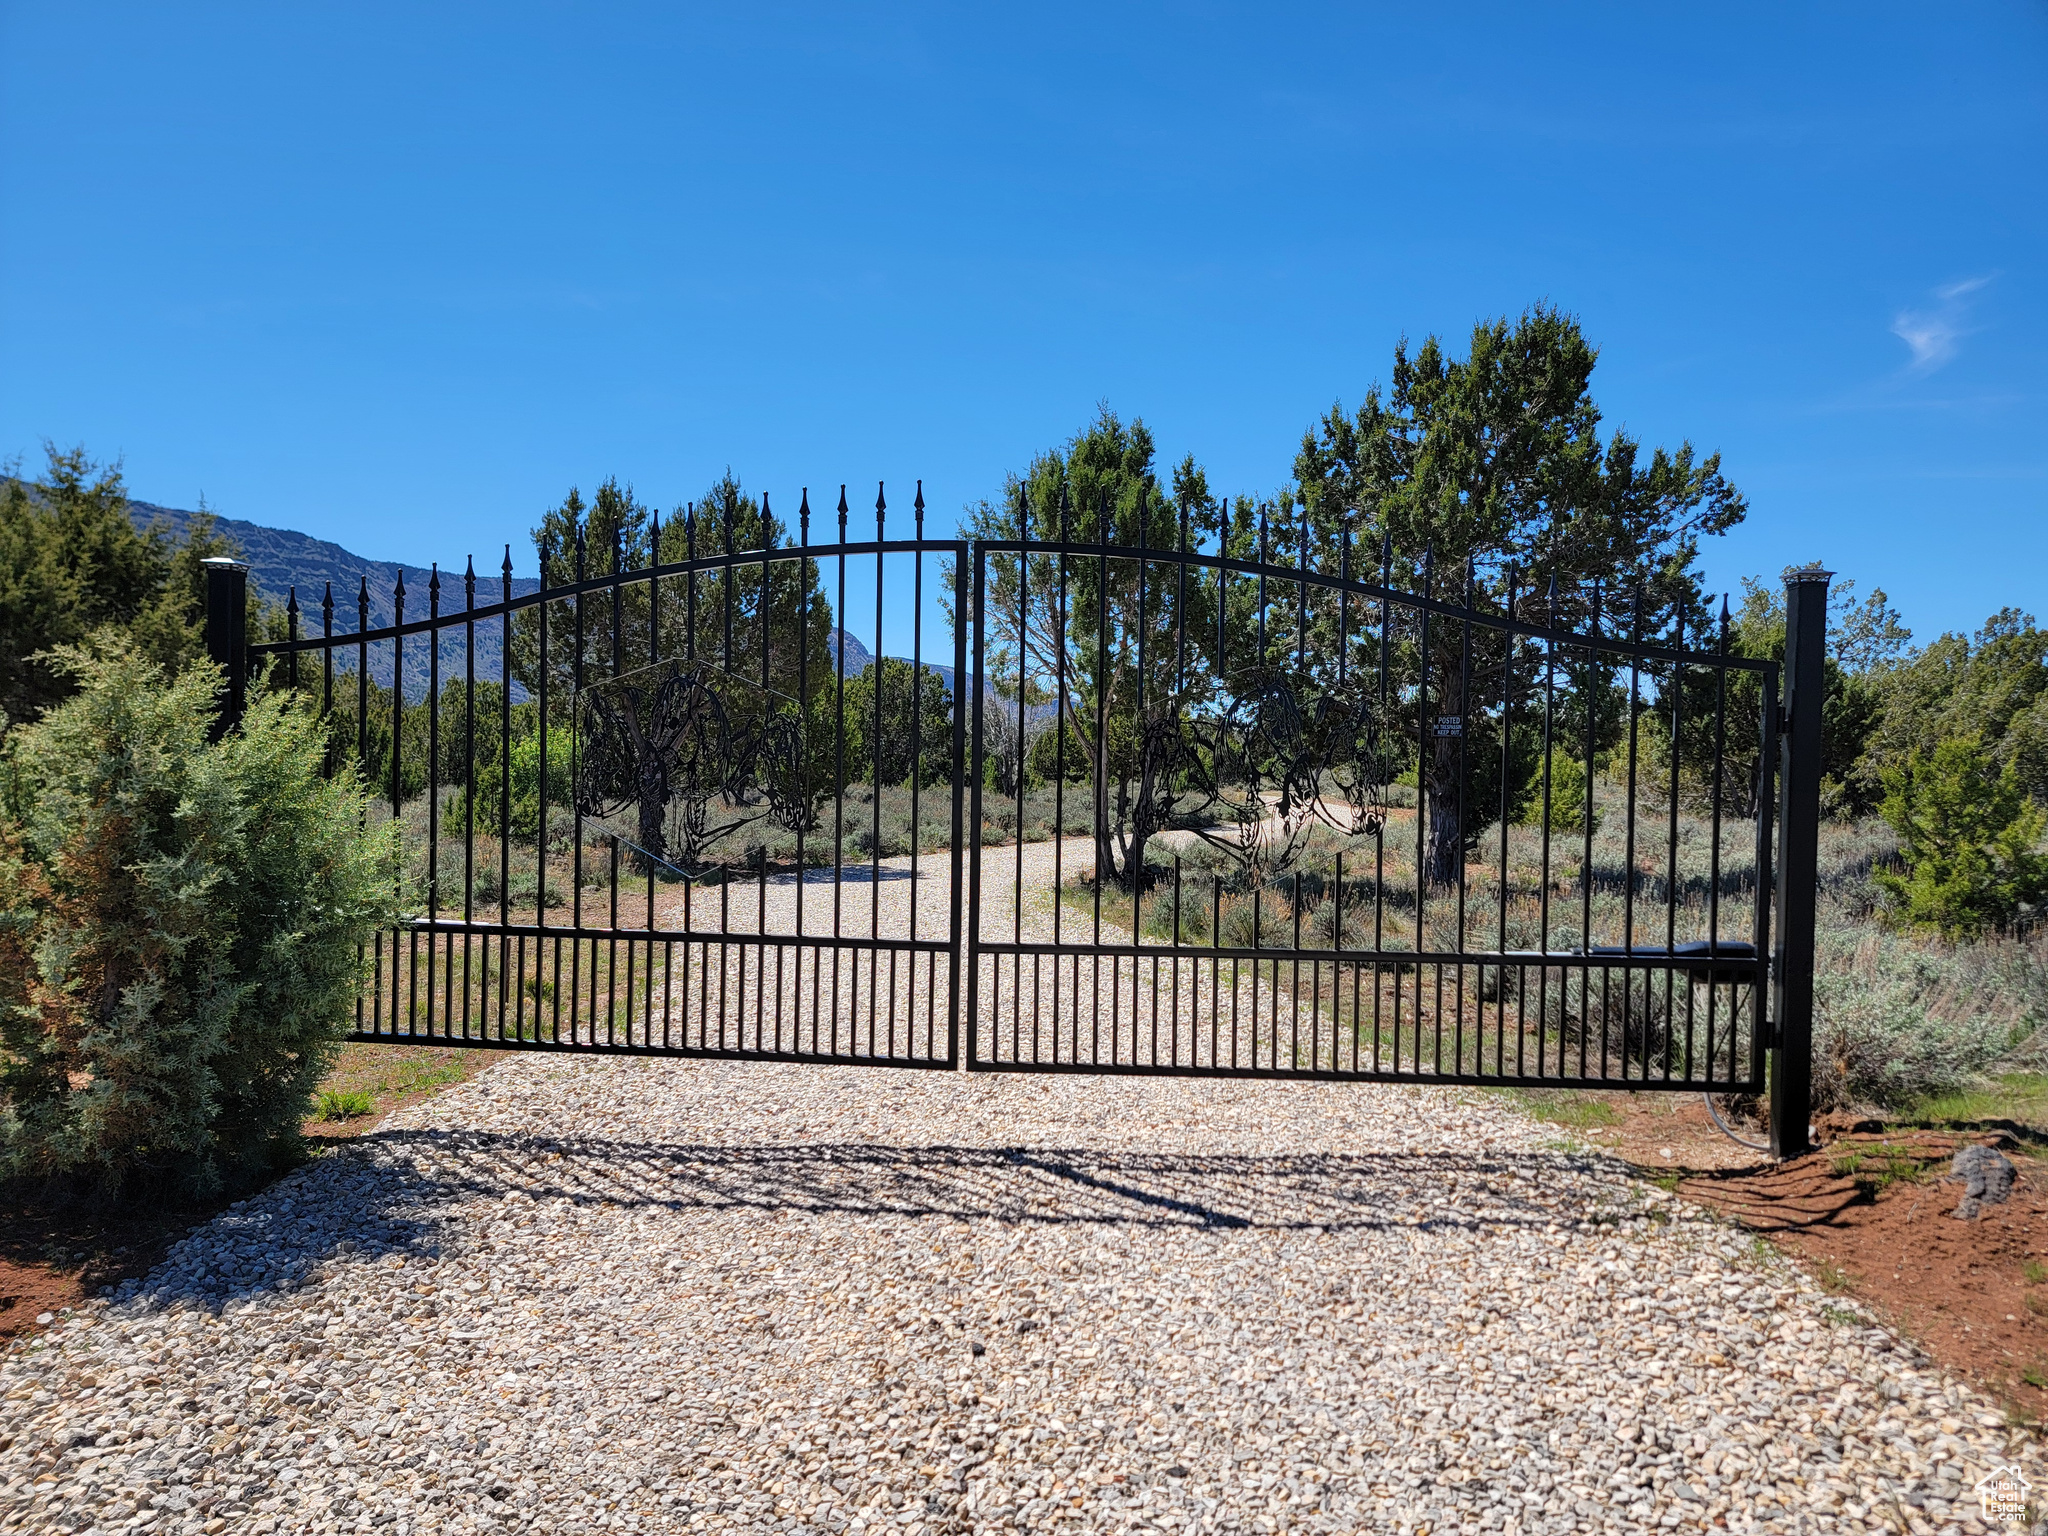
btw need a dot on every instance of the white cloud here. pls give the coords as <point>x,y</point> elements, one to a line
<point>1934,334</point>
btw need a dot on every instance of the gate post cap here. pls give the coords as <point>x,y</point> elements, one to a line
<point>223,563</point>
<point>1807,573</point>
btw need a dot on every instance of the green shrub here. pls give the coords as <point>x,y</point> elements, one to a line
<point>180,931</point>
<point>525,777</point>
<point>1967,838</point>
<point>1567,798</point>
<point>345,1106</point>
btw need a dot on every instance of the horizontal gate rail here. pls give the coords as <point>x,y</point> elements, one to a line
<point>1724,968</point>
<point>458,618</point>
<point>1413,601</point>
<point>679,935</point>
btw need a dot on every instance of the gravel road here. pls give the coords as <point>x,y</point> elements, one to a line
<point>587,1294</point>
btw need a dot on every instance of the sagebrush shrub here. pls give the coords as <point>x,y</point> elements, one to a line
<point>1898,1019</point>
<point>179,946</point>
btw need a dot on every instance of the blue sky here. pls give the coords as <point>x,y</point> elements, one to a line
<point>398,276</point>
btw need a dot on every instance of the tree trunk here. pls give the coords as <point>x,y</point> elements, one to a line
<point>1445,849</point>
<point>1445,856</point>
<point>1098,751</point>
<point>650,782</point>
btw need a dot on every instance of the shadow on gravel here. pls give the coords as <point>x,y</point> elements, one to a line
<point>1013,1184</point>
<point>391,1193</point>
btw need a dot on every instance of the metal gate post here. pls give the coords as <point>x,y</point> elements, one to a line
<point>1791,1059</point>
<point>227,637</point>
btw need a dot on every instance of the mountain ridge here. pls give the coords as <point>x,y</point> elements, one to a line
<point>284,562</point>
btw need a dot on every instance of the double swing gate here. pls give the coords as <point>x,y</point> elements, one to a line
<point>1166,795</point>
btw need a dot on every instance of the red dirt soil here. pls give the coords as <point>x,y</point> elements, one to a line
<point>1871,1216</point>
<point>56,1253</point>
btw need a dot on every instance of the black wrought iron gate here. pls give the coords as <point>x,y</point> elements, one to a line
<point>1273,819</point>
<point>675,814</point>
<point>1238,805</point>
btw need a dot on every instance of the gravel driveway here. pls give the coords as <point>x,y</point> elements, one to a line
<point>579,1295</point>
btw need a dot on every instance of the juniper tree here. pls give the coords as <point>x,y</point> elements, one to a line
<point>1497,458</point>
<point>73,563</point>
<point>711,620</point>
<point>1106,640</point>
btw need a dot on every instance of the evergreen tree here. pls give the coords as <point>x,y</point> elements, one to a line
<point>73,564</point>
<point>1497,459</point>
<point>755,633</point>
<point>1120,645</point>
<point>1991,686</point>
<point>1968,841</point>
